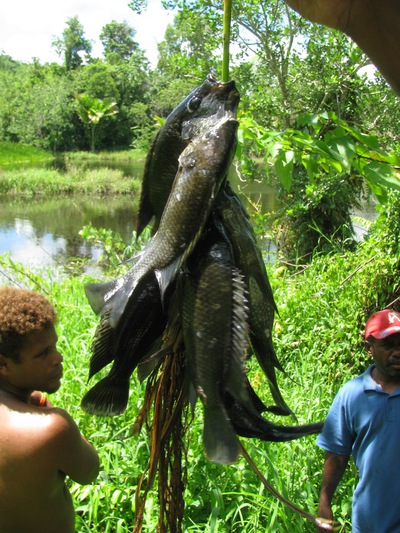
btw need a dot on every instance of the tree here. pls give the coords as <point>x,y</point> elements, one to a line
<point>191,47</point>
<point>72,43</point>
<point>118,41</point>
<point>92,111</point>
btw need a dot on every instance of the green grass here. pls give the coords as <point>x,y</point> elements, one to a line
<point>121,155</point>
<point>47,182</point>
<point>18,153</point>
<point>36,181</point>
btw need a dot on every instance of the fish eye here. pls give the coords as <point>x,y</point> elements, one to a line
<point>193,104</point>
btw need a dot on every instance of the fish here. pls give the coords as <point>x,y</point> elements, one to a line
<point>178,130</point>
<point>262,307</point>
<point>215,339</point>
<point>249,423</point>
<point>203,167</point>
<point>126,346</point>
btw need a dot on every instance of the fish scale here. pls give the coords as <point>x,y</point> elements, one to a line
<point>214,332</point>
<point>203,167</point>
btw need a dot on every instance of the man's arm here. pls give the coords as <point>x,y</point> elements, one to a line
<point>373,24</point>
<point>334,468</point>
<point>72,453</point>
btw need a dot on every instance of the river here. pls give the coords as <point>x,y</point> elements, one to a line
<point>44,232</point>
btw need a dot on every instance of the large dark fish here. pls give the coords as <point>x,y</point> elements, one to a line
<point>262,307</point>
<point>142,322</point>
<point>178,130</point>
<point>215,338</point>
<point>249,423</point>
<point>203,167</point>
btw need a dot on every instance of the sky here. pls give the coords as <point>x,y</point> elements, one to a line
<point>27,27</point>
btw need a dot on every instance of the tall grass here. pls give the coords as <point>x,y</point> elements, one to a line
<point>76,180</point>
<point>135,154</point>
<point>318,338</point>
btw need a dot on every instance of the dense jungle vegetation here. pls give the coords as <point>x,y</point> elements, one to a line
<point>315,120</point>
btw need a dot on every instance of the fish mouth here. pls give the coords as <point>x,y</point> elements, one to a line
<point>231,95</point>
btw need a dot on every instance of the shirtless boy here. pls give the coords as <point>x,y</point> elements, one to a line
<point>39,444</point>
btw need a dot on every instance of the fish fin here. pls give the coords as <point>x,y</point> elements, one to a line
<point>219,438</point>
<point>280,411</point>
<point>102,346</point>
<point>278,398</point>
<point>118,302</point>
<point>235,375</point>
<point>98,294</point>
<point>192,396</point>
<point>133,259</point>
<point>146,211</point>
<point>167,275</point>
<point>255,400</point>
<point>250,424</point>
<point>109,397</point>
<point>266,363</point>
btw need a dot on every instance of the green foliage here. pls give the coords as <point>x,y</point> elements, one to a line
<point>72,43</point>
<point>318,338</point>
<point>118,41</point>
<point>191,46</point>
<point>38,106</point>
<point>322,166</point>
<point>115,251</point>
<point>92,111</point>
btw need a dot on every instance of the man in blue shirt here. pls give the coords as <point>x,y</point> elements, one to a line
<point>364,421</point>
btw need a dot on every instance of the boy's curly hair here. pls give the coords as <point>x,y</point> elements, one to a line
<point>22,312</point>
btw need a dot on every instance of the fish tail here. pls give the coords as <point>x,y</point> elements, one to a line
<point>109,397</point>
<point>220,441</point>
<point>275,433</point>
<point>98,361</point>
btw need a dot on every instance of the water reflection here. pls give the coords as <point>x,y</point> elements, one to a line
<point>45,232</point>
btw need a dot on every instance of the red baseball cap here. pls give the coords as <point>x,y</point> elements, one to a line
<point>382,324</point>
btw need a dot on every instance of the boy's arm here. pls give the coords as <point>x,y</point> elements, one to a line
<point>72,453</point>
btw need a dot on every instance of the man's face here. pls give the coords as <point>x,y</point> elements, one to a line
<point>386,354</point>
<point>39,366</point>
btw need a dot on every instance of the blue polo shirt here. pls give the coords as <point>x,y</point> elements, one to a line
<point>365,421</point>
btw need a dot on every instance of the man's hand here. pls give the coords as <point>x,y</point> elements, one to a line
<point>333,13</point>
<point>373,24</point>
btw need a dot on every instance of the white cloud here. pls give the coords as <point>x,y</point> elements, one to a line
<point>27,28</point>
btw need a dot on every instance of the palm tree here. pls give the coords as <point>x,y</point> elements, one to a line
<point>91,111</point>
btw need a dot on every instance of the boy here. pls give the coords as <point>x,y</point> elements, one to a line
<point>39,444</point>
